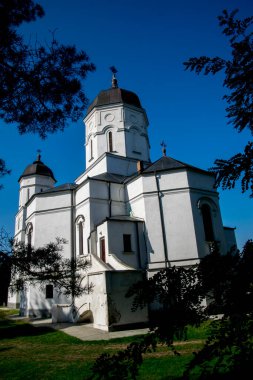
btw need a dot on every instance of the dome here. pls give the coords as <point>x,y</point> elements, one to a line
<point>37,168</point>
<point>115,95</point>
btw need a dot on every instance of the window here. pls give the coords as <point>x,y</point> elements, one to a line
<point>49,291</point>
<point>110,142</point>
<point>207,221</point>
<point>79,222</point>
<point>102,248</point>
<point>91,149</point>
<point>29,230</point>
<point>127,243</point>
<point>80,235</point>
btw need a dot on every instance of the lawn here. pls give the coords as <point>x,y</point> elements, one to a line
<point>28,352</point>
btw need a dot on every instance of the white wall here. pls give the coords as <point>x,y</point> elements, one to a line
<point>116,230</point>
<point>128,125</point>
<point>31,185</point>
<point>119,306</point>
<point>98,300</point>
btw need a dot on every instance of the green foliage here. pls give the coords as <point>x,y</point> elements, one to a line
<point>5,267</point>
<point>3,170</point>
<point>239,81</point>
<point>228,351</point>
<point>41,85</point>
<point>124,364</point>
<point>228,172</point>
<point>28,352</point>
<point>176,303</point>
<point>227,280</point>
<point>42,266</point>
<point>174,293</point>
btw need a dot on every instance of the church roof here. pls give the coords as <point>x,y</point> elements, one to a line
<point>109,177</point>
<point>124,218</point>
<point>115,95</point>
<point>65,186</point>
<point>168,163</point>
<point>37,168</point>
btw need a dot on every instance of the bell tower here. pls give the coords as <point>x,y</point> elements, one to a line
<point>117,124</point>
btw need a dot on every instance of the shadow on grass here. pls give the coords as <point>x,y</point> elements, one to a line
<point>12,329</point>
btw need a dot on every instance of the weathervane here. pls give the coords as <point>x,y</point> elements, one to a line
<point>114,80</point>
<point>163,145</point>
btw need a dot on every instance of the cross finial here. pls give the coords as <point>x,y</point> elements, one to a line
<point>163,145</point>
<point>114,80</point>
<point>38,154</point>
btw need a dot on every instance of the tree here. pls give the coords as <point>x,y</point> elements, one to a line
<point>174,293</point>
<point>3,170</point>
<point>42,266</point>
<point>226,281</point>
<point>228,352</point>
<point>5,269</point>
<point>40,85</point>
<point>238,80</point>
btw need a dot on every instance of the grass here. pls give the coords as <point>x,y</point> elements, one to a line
<point>28,352</point>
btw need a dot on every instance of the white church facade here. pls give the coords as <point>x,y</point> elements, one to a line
<point>126,215</point>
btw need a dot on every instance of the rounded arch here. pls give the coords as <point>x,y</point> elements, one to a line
<point>106,129</point>
<point>109,139</point>
<point>208,210</point>
<point>79,234</point>
<point>80,218</point>
<point>205,200</point>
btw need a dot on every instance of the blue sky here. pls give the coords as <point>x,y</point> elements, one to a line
<point>147,41</point>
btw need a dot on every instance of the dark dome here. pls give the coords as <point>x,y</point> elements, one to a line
<point>37,167</point>
<point>115,95</point>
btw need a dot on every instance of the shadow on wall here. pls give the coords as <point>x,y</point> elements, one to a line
<point>114,314</point>
<point>86,317</point>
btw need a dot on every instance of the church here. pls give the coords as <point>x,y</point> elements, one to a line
<point>125,215</point>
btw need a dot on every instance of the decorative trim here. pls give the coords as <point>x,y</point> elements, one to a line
<point>205,200</point>
<point>80,218</point>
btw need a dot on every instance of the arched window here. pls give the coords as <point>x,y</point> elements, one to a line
<point>207,222</point>
<point>110,141</point>
<point>91,149</point>
<point>79,235</point>
<point>29,230</point>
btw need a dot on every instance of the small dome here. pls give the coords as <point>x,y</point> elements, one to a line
<point>115,95</point>
<point>37,167</point>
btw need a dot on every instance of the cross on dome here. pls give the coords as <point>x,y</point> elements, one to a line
<point>163,145</point>
<point>114,79</point>
<point>38,154</point>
